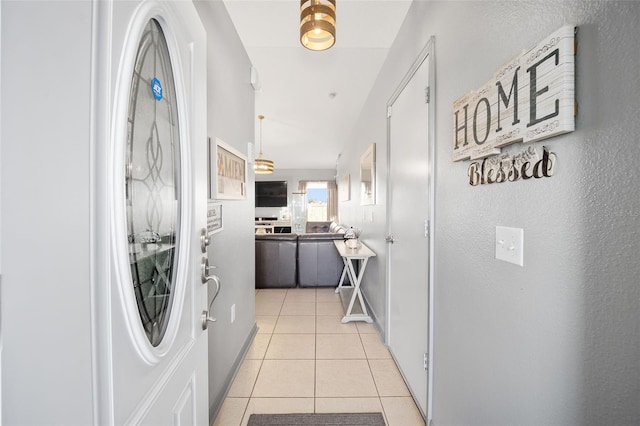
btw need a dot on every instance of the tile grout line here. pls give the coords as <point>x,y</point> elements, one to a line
<point>315,360</point>
<point>264,356</point>
<point>316,348</point>
<point>257,375</point>
<point>246,407</point>
<point>384,413</point>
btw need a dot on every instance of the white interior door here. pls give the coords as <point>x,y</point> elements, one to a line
<point>409,213</point>
<point>151,349</point>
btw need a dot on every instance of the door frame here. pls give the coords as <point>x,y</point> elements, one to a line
<point>100,229</point>
<point>427,53</point>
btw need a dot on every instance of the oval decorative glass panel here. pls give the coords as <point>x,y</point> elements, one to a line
<point>153,182</point>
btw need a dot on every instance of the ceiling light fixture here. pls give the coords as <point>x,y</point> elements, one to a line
<point>262,166</point>
<point>317,24</point>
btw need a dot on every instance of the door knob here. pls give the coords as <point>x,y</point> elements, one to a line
<point>205,270</point>
<point>204,240</point>
<point>389,239</point>
<point>206,319</point>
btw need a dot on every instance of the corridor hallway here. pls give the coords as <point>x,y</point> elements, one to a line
<point>304,360</point>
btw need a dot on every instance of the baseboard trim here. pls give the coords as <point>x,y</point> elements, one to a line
<point>216,405</point>
<point>374,317</point>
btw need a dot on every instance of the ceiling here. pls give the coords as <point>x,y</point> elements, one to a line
<point>311,100</point>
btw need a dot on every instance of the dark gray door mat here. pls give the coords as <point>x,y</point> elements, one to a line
<point>319,419</point>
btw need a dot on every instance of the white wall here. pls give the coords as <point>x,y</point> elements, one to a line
<point>292,177</point>
<point>231,119</point>
<point>558,340</point>
<point>0,226</point>
<point>45,213</point>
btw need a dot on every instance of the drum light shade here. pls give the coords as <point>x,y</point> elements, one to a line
<point>317,24</point>
<point>262,166</point>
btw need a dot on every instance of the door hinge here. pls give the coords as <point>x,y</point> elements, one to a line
<point>389,111</point>
<point>426,228</point>
<point>427,94</point>
<point>425,361</point>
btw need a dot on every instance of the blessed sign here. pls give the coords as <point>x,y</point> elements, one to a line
<point>530,98</point>
<point>510,168</point>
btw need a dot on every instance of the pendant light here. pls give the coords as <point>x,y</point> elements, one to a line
<point>317,24</point>
<point>262,166</point>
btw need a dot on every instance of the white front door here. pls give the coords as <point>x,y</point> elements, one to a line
<point>409,213</point>
<point>151,186</point>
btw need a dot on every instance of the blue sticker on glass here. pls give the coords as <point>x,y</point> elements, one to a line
<point>156,88</point>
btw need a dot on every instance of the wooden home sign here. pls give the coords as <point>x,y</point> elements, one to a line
<point>530,98</point>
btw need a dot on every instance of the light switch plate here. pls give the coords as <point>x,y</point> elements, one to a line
<point>510,244</point>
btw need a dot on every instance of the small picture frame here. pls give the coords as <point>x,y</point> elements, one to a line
<point>228,171</point>
<point>368,176</point>
<point>344,188</point>
<point>214,217</point>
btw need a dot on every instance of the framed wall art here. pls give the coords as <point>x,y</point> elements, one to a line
<point>228,168</point>
<point>214,217</point>
<point>344,188</point>
<point>368,176</point>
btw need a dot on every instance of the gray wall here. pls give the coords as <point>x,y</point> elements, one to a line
<point>45,194</point>
<point>369,219</point>
<point>292,176</point>
<point>558,340</point>
<point>231,118</point>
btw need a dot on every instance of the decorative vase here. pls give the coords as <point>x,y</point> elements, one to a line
<point>352,243</point>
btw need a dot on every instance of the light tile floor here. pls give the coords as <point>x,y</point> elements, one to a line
<point>304,360</point>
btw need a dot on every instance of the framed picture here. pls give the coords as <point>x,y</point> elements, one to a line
<point>344,188</point>
<point>368,176</point>
<point>229,176</point>
<point>214,217</point>
<point>211,189</point>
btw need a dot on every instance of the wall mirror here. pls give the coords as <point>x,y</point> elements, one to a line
<point>368,176</point>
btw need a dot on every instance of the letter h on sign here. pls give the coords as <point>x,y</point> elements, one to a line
<point>462,126</point>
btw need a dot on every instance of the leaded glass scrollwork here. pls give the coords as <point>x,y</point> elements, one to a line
<point>152,171</point>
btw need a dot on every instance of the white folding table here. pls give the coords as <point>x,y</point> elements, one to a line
<point>349,294</point>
